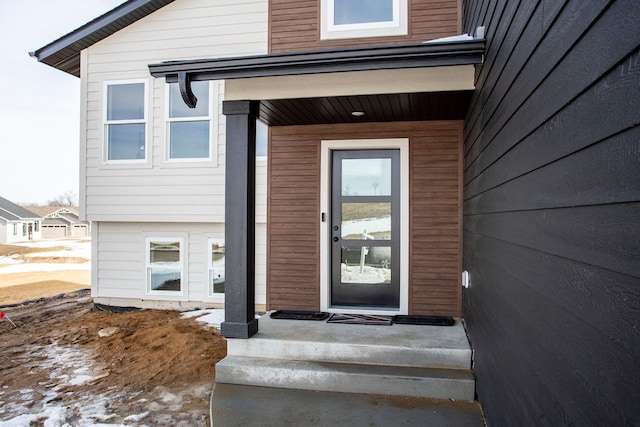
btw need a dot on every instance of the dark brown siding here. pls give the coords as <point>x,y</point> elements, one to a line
<point>294,25</point>
<point>293,253</point>
<point>435,197</point>
<point>552,211</point>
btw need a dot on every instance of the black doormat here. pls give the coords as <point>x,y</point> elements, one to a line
<point>401,319</point>
<point>359,319</point>
<point>299,315</point>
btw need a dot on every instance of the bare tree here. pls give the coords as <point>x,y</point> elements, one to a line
<point>68,198</point>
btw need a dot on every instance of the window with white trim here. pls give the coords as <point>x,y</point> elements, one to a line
<point>125,121</point>
<point>15,229</point>
<point>190,131</point>
<point>216,267</point>
<point>262,139</point>
<point>165,265</point>
<point>341,19</point>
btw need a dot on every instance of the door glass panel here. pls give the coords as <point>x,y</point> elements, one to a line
<point>366,177</point>
<point>366,221</point>
<point>368,265</point>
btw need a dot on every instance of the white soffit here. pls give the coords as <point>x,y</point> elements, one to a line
<point>406,80</point>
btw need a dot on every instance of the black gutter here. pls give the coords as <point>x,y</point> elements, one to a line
<point>327,61</point>
<point>64,53</point>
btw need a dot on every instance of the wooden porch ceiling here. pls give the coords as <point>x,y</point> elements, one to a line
<point>451,105</point>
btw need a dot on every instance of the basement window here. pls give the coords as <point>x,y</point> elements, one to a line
<point>342,19</point>
<point>216,267</point>
<point>165,264</point>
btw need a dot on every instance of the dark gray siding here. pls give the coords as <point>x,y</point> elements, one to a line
<point>552,212</point>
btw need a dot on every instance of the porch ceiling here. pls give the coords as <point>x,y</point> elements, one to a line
<point>426,81</point>
<point>449,105</point>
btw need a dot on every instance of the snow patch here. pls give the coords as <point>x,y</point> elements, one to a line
<point>73,249</point>
<point>210,317</point>
<point>136,417</point>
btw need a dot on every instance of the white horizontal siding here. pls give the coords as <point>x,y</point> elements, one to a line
<point>160,191</point>
<point>119,266</point>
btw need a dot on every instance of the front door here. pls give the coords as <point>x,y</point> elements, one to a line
<point>365,229</point>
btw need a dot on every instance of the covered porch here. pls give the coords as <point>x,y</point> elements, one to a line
<point>353,92</point>
<point>408,101</point>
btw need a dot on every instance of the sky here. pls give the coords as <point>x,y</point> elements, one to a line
<point>39,105</point>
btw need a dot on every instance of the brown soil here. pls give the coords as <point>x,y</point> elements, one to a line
<point>158,366</point>
<point>19,287</point>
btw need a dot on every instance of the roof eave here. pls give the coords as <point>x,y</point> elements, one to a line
<point>326,61</point>
<point>64,53</point>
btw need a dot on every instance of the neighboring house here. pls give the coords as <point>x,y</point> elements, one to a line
<point>18,224</point>
<point>60,222</point>
<point>393,165</point>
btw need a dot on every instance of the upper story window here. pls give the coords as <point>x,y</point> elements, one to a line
<point>190,130</point>
<point>363,18</point>
<point>125,121</point>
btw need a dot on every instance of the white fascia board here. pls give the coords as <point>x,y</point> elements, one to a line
<point>406,80</point>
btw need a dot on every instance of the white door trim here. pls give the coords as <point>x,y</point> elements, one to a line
<point>327,146</point>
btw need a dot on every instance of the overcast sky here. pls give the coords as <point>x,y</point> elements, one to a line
<point>39,105</point>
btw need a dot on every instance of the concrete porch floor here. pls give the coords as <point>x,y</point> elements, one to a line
<point>428,346</point>
<point>313,373</point>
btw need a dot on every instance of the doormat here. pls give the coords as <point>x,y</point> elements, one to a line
<point>299,315</point>
<point>423,320</point>
<point>360,319</point>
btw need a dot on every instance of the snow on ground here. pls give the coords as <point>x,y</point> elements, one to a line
<point>73,248</point>
<point>33,267</point>
<point>70,366</point>
<point>67,366</point>
<point>212,317</point>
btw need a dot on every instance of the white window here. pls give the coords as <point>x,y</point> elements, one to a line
<point>15,229</point>
<point>165,265</point>
<point>262,132</point>
<point>190,131</point>
<point>216,267</point>
<point>125,121</point>
<point>341,19</point>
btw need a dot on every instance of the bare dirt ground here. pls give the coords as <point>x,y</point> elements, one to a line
<point>157,369</point>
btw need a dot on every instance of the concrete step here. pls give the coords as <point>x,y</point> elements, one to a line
<point>454,384</point>
<point>441,347</point>
<point>240,405</point>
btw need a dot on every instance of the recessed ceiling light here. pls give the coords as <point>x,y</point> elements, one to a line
<point>357,113</point>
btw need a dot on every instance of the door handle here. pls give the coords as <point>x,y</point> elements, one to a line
<point>335,239</point>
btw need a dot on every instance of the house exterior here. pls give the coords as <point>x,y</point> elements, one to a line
<point>60,222</point>
<point>157,213</point>
<point>400,154</point>
<point>18,224</point>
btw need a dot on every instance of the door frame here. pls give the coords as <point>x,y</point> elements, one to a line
<point>327,147</point>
